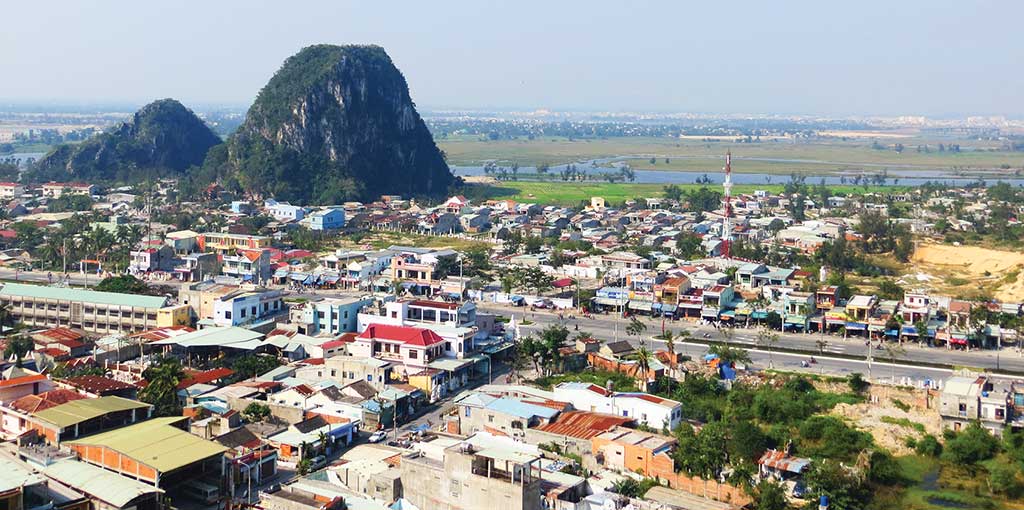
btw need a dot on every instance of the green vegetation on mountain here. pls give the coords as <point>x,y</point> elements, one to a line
<point>163,138</point>
<point>334,123</point>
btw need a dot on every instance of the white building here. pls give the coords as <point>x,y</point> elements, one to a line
<point>645,408</point>
<point>245,306</point>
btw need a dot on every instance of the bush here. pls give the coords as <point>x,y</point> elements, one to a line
<point>1003,479</point>
<point>857,383</point>
<point>972,445</point>
<point>903,406</point>
<point>830,437</point>
<point>884,469</point>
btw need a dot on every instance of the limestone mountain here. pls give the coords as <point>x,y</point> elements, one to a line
<point>334,123</point>
<point>164,136</point>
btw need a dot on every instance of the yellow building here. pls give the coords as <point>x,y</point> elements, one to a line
<point>179,315</point>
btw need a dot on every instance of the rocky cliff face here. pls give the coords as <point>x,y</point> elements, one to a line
<point>336,123</point>
<point>163,136</point>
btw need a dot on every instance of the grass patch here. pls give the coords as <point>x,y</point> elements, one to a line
<point>620,382</point>
<point>903,406</point>
<point>903,422</point>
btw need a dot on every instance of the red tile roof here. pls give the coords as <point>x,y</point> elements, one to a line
<point>98,384</point>
<point>45,400</point>
<point>583,424</point>
<point>405,334</point>
<point>206,377</point>
<point>58,334</point>
<point>18,381</point>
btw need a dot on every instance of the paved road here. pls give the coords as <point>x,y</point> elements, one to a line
<point>606,327</point>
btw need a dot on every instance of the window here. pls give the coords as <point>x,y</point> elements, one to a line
<point>227,315</point>
<point>517,425</point>
<point>346,314</point>
<point>413,354</point>
<point>468,409</point>
<point>243,312</point>
<point>320,315</point>
<point>369,378</point>
<point>253,309</point>
<point>447,346</point>
<point>490,418</point>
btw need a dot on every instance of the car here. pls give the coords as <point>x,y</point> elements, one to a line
<point>318,462</point>
<point>378,436</point>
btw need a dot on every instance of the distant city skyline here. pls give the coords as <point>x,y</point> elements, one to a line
<point>938,59</point>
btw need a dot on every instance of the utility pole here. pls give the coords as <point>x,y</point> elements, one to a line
<point>727,202</point>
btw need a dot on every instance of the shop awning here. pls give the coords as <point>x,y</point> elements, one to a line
<point>728,314</point>
<point>603,301</point>
<point>562,283</point>
<point>859,326</point>
<point>298,276</point>
<point>757,314</point>
<point>909,330</point>
<point>668,308</point>
<point>642,306</point>
<point>309,280</point>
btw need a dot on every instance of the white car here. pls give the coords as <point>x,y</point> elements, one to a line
<point>378,436</point>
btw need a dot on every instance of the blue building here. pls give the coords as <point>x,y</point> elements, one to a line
<point>326,219</point>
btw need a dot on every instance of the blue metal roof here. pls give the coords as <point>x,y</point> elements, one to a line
<point>520,409</point>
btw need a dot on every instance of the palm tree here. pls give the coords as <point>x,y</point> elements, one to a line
<point>670,339</point>
<point>164,375</point>
<point>322,439</point>
<point>643,362</point>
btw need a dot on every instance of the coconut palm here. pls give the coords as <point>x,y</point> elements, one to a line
<point>163,375</point>
<point>643,361</point>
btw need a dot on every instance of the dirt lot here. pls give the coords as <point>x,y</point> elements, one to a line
<point>973,267</point>
<point>899,425</point>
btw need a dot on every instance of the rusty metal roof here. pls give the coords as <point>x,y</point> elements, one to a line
<point>583,424</point>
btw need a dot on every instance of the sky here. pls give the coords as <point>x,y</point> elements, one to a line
<point>832,58</point>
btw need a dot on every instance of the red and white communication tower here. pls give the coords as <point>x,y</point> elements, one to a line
<point>727,202</point>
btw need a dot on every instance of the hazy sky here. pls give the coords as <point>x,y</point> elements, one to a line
<point>816,57</point>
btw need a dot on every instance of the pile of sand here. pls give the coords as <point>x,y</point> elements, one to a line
<point>972,263</point>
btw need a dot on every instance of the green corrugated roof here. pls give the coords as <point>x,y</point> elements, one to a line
<point>84,295</point>
<point>97,482</point>
<point>78,411</point>
<point>156,443</point>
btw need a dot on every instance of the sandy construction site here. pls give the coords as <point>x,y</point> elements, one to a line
<point>972,268</point>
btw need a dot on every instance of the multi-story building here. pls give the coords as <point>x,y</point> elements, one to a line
<point>225,243</point>
<point>326,219</point>
<point>244,307</point>
<point>456,323</point>
<point>465,477</point>
<point>975,398</point>
<point>93,311</point>
<point>11,190</point>
<point>798,308</point>
<point>151,259</point>
<point>248,265</point>
<point>411,348</point>
<point>182,241</point>
<point>331,315</point>
<point>56,189</point>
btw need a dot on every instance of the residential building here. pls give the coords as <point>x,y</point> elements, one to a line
<point>243,307</point>
<point>182,241</point>
<point>151,259</point>
<point>89,310</point>
<point>10,190</point>
<point>466,477</point>
<point>412,348</point>
<point>325,219</point>
<point>283,211</point>
<point>646,409</point>
<point>248,265</point>
<point>329,315</point>
<point>57,189</point>
<point>507,416</point>
<point>225,243</point>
